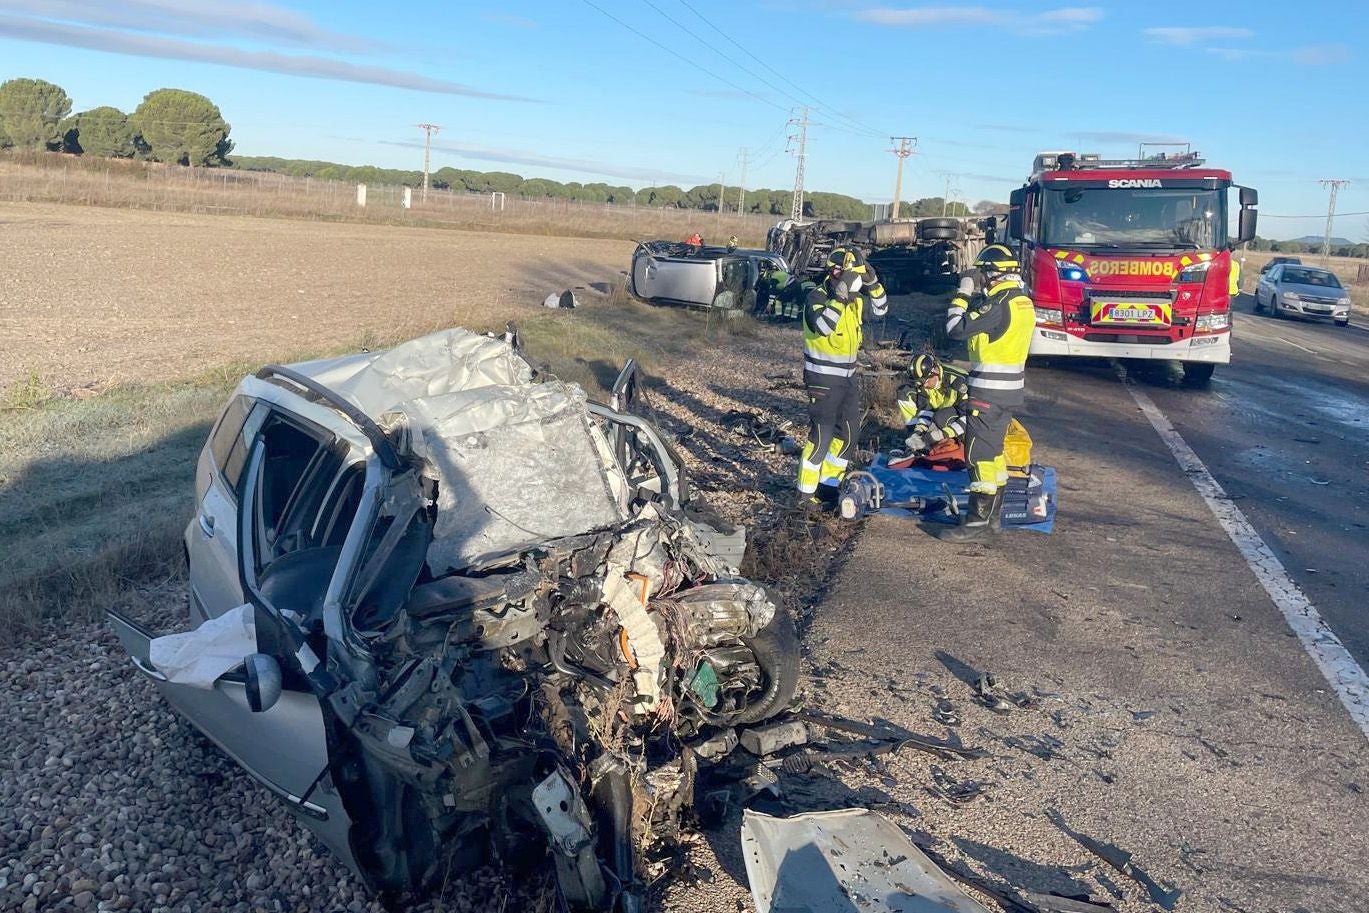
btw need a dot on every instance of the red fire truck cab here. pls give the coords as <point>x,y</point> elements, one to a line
<point>1130,258</point>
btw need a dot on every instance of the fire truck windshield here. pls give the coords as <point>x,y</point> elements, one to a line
<point>1133,217</point>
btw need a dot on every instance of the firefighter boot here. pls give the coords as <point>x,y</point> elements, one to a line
<point>978,522</point>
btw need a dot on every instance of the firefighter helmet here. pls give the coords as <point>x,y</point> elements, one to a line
<point>926,369</point>
<point>996,259</point>
<point>846,258</point>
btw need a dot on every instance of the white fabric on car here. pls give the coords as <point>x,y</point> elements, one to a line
<point>197,658</point>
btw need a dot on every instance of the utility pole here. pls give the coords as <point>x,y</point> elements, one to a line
<point>799,140</point>
<point>946,196</point>
<point>743,155</point>
<point>901,146</point>
<point>1335,186</point>
<point>722,192</point>
<point>428,131</point>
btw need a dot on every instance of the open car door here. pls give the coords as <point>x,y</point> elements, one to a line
<point>282,745</point>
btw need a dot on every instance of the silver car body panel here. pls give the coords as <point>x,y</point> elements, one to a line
<point>851,860</point>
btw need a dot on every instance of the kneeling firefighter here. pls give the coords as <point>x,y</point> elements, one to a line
<point>936,405</point>
<point>833,327</point>
<point>997,329</point>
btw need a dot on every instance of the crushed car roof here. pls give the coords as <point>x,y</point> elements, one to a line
<point>517,462</point>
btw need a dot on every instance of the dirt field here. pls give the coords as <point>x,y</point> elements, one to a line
<point>93,296</point>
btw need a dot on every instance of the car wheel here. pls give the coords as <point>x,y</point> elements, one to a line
<point>1198,373</point>
<point>1343,323</point>
<point>1274,307</point>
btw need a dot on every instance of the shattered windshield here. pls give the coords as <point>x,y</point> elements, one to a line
<point>1125,217</point>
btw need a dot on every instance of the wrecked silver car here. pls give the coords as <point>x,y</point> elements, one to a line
<point>446,609</point>
<point>673,272</point>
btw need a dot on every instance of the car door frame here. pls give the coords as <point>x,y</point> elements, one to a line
<point>286,748</point>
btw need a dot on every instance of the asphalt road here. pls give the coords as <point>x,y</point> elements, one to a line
<point>1175,713</point>
<point>1285,429</point>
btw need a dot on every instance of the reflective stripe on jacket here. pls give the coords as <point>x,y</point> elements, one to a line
<point>998,331</point>
<point>832,332</point>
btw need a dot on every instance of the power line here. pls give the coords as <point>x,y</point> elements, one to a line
<point>1270,215</point>
<point>809,95</point>
<point>676,54</point>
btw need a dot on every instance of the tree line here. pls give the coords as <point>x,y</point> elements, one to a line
<point>1302,247</point>
<point>170,125</point>
<point>704,196</point>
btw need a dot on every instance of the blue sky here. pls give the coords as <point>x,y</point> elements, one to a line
<point>670,90</point>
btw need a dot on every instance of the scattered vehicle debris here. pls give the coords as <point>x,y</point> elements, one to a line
<point>888,733</point>
<point>908,255</point>
<point>1120,860</point>
<point>565,300</point>
<point>486,616</point>
<point>957,792</point>
<point>850,859</point>
<point>673,272</point>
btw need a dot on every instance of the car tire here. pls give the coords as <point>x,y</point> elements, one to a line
<point>1274,307</point>
<point>1198,374</point>
<point>777,651</point>
<point>939,234</point>
<point>1343,323</point>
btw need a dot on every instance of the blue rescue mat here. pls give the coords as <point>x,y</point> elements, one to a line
<point>907,493</point>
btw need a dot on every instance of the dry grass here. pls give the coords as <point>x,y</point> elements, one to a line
<point>57,178</point>
<point>1347,269</point>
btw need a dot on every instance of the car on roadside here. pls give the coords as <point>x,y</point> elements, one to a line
<point>1291,289</point>
<point>1275,261</point>
<point>447,609</point>
<point>673,272</point>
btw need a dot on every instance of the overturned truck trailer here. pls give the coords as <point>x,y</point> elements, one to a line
<point>469,613</point>
<point>908,254</point>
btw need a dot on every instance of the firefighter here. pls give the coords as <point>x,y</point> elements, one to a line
<point>997,329</point>
<point>780,295</point>
<point>1235,289</point>
<point>833,317</point>
<point>936,405</point>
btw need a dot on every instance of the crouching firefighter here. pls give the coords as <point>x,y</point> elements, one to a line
<point>936,405</point>
<point>833,317</point>
<point>997,329</point>
<point>780,295</point>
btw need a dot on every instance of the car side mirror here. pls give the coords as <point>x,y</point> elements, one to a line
<point>263,681</point>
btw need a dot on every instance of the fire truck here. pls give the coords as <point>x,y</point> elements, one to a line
<point>1130,258</point>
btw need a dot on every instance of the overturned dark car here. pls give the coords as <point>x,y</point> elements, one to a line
<point>447,610</point>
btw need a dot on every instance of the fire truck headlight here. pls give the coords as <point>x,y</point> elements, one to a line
<point>1071,273</point>
<point>1211,323</point>
<point>1050,316</point>
<point>1195,273</point>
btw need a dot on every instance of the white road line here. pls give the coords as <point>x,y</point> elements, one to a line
<point>1349,680</point>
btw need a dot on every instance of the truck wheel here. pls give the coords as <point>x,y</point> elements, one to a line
<point>939,234</point>
<point>938,223</point>
<point>1198,373</point>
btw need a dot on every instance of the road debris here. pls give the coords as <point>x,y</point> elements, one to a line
<point>1120,860</point>
<point>850,859</point>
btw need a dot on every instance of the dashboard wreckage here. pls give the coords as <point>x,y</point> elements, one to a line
<point>447,609</point>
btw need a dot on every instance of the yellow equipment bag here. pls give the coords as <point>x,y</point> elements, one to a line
<point>1017,448</point>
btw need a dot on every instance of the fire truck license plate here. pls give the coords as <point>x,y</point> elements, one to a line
<point>1128,312</point>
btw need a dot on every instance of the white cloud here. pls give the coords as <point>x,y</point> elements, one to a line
<point>1054,21</point>
<point>1308,55</point>
<point>116,42</point>
<point>195,19</point>
<point>1188,35</point>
